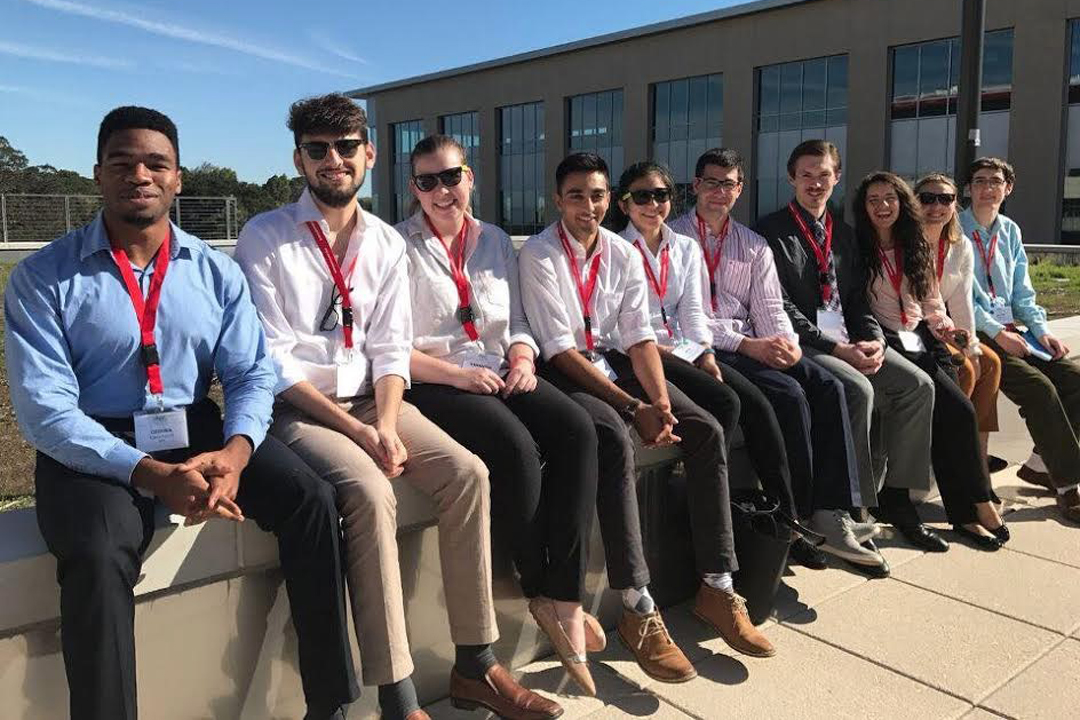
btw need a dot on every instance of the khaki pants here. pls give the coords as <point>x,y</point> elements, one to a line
<point>453,477</point>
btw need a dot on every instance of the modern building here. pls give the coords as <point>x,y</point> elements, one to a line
<point>877,77</point>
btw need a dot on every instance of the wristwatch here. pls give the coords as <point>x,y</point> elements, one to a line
<point>629,410</point>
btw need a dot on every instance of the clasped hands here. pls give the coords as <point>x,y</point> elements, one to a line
<point>203,486</point>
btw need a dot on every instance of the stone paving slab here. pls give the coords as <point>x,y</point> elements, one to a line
<point>1027,588</point>
<point>981,714</point>
<point>1041,532</point>
<point>1048,690</point>
<point>780,687</point>
<point>945,643</point>
<point>643,704</point>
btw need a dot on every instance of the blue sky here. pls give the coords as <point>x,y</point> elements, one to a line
<point>226,71</point>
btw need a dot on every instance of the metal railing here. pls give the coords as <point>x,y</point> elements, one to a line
<point>42,218</point>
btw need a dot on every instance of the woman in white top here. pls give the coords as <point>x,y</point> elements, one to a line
<point>473,371</point>
<point>954,261</point>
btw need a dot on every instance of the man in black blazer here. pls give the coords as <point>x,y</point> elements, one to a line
<point>825,287</point>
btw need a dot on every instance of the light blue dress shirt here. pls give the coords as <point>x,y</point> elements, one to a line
<point>73,349</point>
<point>1009,270</point>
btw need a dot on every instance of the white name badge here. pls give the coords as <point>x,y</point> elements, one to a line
<point>1002,312</point>
<point>912,341</point>
<point>494,363</point>
<point>687,350</point>
<point>163,430</point>
<point>601,364</point>
<point>831,324</point>
<point>350,377</point>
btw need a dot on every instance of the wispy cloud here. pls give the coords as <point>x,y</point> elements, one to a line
<point>43,95</point>
<point>182,32</point>
<point>30,52</point>
<point>332,47</point>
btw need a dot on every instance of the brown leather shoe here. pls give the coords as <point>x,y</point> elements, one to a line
<point>1069,505</point>
<point>501,694</point>
<point>418,715</point>
<point>726,612</point>
<point>1034,477</point>
<point>576,664</point>
<point>595,637</point>
<point>647,638</point>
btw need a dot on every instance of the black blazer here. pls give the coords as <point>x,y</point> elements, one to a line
<point>798,271</point>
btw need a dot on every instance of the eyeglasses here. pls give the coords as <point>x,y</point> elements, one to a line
<point>331,317</point>
<point>993,182</point>
<point>317,149</point>
<point>450,177</point>
<point>642,197</point>
<point>929,198</point>
<point>712,185</point>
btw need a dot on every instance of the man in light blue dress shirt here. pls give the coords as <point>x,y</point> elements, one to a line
<point>1036,373</point>
<point>113,333</point>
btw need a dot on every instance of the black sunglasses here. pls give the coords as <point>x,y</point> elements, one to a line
<point>426,182</point>
<point>929,198</point>
<point>317,149</point>
<point>642,197</point>
<point>331,317</point>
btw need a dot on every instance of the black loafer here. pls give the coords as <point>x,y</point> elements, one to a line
<point>996,464</point>
<point>876,572</point>
<point>977,540</point>
<point>1002,533</point>
<point>923,538</point>
<point>805,554</point>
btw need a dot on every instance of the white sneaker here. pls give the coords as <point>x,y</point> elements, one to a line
<point>840,540</point>
<point>863,531</point>
<point>1035,462</point>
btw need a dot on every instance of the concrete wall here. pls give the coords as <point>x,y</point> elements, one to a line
<point>865,29</point>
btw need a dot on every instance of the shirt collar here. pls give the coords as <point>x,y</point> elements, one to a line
<point>631,233</point>
<point>577,247</point>
<point>416,228</point>
<point>96,238</point>
<point>307,210</point>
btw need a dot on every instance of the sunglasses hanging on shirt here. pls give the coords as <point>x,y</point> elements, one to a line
<point>426,182</point>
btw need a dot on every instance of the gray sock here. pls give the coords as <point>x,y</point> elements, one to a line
<point>398,699</point>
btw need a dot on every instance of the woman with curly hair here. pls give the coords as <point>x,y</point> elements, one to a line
<point>980,373</point>
<point>905,298</point>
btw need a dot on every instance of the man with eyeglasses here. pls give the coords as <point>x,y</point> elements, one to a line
<point>113,333</point>
<point>331,287</point>
<point>1036,373</point>
<point>756,345</point>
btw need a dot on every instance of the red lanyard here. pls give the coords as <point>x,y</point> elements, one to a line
<point>146,311</point>
<point>339,280</point>
<point>712,263</point>
<point>585,290</point>
<point>942,251</point>
<point>821,253</point>
<point>660,288</point>
<point>988,259</point>
<point>895,271</point>
<point>465,313</point>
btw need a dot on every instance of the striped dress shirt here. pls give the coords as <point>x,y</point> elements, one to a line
<point>750,302</point>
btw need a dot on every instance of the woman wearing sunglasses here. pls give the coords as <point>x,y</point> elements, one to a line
<point>954,262</point>
<point>904,296</point>
<point>473,360</point>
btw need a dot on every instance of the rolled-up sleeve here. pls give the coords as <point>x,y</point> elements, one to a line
<point>243,364</point>
<point>543,306</point>
<point>44,389</point>
<point>255,255</point>
<point>520,331</point>
<point>388,342</point>
<point>634,323</point>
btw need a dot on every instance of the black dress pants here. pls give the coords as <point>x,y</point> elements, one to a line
<point>812,410</point>
<point>98,529</point>
<point>705,460</point>
<point>540,449</point>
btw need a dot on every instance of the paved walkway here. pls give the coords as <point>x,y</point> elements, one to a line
<point>966,634</point>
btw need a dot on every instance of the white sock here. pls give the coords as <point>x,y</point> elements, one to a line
<point>1035,462</point>
<point>719,581</point>
<point>1063,490</point>
<point>638,600</point>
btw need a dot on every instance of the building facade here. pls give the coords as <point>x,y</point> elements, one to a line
<point>877,77</point>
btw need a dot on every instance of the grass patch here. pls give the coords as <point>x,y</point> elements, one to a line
<point>1057,288</point>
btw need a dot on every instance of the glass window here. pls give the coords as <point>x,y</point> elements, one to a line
<point>521,168</point>
<point>687,119</point>
<point>406,135</point>
<point>924,95</point>
<point>1070,204</point>
<point>465,128</point>
<point>596,126</point>
<point>797,101</point>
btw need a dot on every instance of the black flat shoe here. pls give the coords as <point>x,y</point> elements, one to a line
<point>996,464</point>
<point>923,538</point>
<point>981,542</point>
<point>805,554</point>
<point>1001,533</point>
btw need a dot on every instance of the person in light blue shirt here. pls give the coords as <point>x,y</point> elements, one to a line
<point>1036,373</point>
<point>118,412</point>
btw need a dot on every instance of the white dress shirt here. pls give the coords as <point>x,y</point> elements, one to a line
<point>957,281</point>
<point>620,307</point>
<point>292,288</point>
<point>490,264</point>
<point>750,301</point>
<point>682,297</point>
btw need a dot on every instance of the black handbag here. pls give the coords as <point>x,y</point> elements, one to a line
<point>763,534</point>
